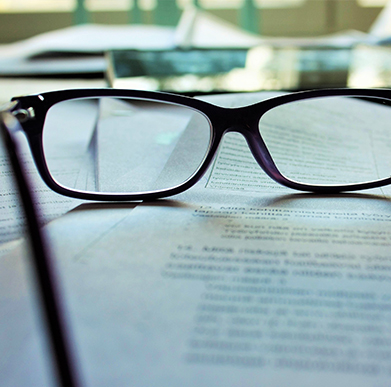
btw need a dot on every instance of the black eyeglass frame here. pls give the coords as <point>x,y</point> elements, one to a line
<point>31,112</point>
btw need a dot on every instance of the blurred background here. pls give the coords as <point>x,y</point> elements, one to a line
<point>20,19</point>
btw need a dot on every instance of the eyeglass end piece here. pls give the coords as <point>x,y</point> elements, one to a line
<point>23,115</point>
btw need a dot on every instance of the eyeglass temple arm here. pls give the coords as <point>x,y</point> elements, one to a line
<point>43,269</point>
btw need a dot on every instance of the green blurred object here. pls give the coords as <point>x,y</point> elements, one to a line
<point>81,15</point>
<point>166,13</point>
<point>249,17</point>
<point>135,13</point>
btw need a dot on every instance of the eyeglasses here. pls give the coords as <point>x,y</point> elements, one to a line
<point>107,144</point>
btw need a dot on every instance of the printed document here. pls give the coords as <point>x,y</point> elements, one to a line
<point>211,288</point>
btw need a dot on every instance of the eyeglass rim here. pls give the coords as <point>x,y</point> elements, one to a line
<point>219,118</point>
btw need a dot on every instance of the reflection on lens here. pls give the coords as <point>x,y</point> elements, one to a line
<point>123,145</point>
<point>330,140</point>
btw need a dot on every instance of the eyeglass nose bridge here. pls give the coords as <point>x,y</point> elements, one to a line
<point>250,131</point>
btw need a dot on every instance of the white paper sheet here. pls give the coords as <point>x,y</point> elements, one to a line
<point>198,28</point>
<point>68,51</point>
<point>49,204</point>
<point>213,290</point>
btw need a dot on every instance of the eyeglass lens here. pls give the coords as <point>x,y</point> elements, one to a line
<point>330,140</point>
<point>123,145</point>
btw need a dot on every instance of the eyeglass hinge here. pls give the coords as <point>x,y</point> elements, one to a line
<point>23,115</point>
